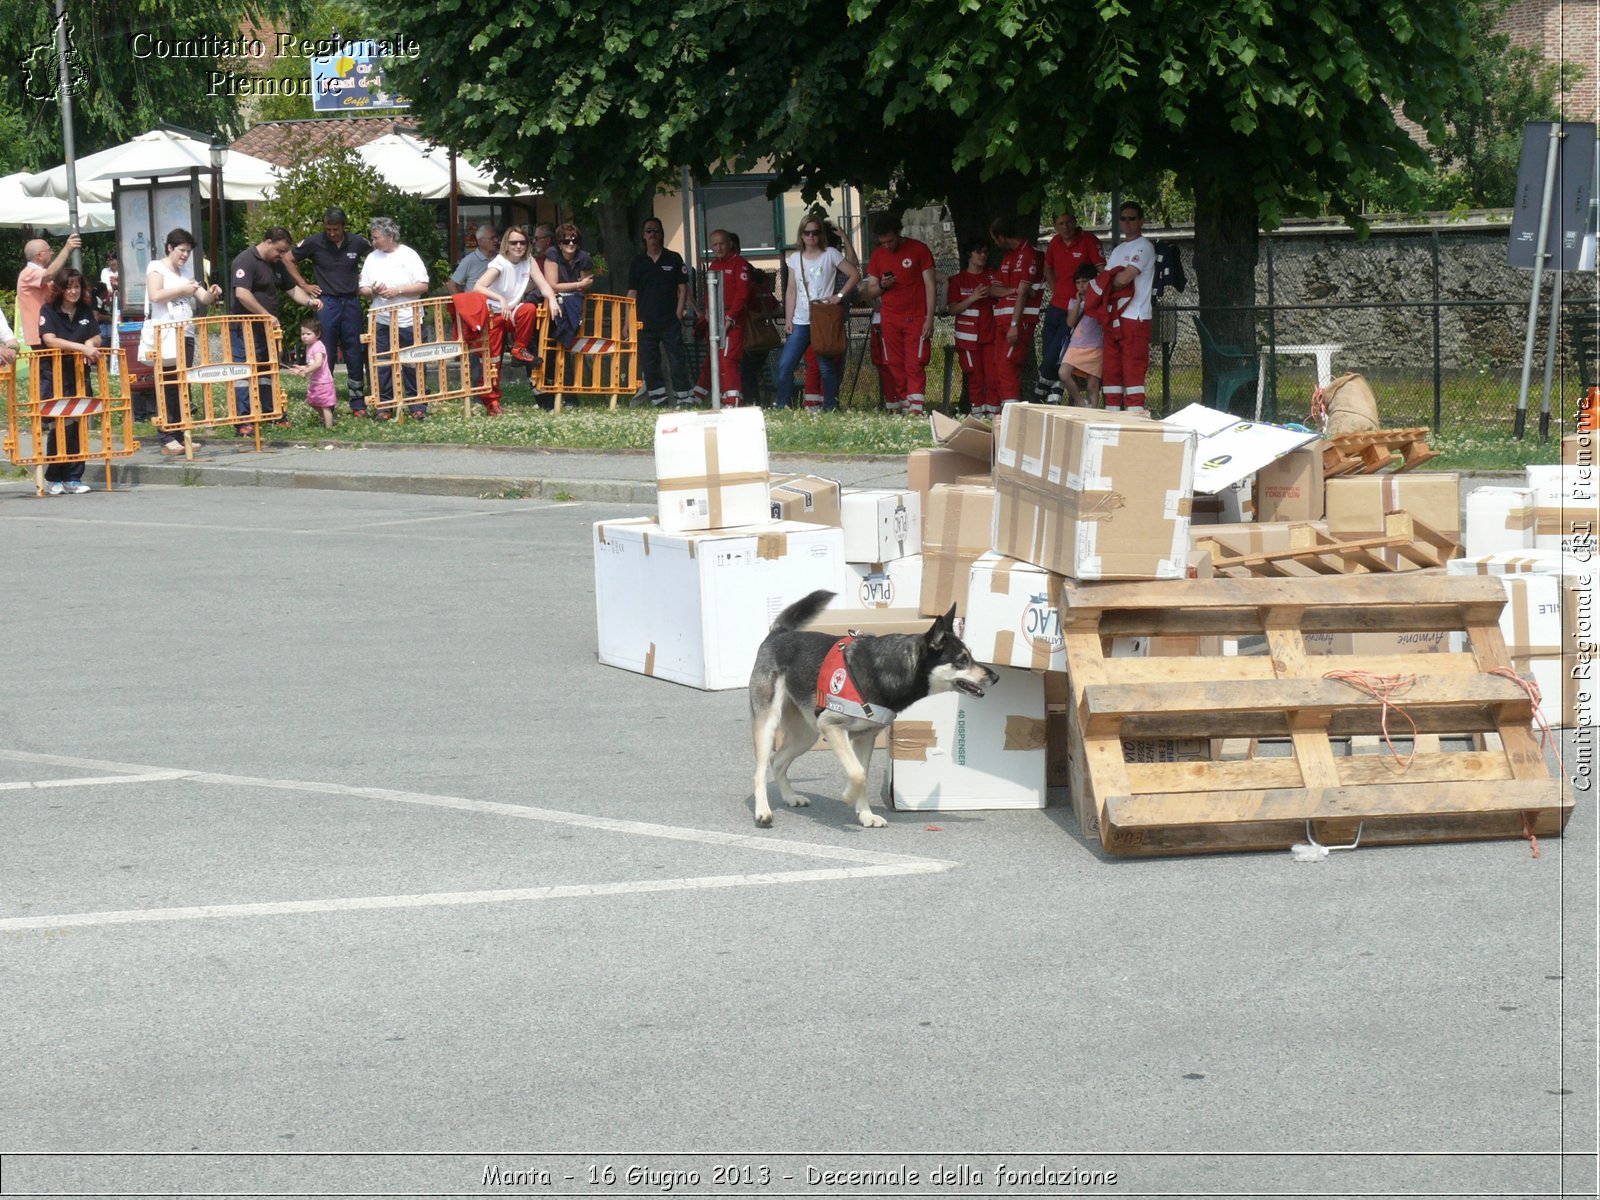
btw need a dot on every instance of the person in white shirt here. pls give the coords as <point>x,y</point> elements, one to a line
<point>506,281</point>
<point>391,277</point>
<point>8,342</point>
<point>1127,349</point>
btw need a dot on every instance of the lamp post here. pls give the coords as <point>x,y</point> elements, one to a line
<point>219,156</point>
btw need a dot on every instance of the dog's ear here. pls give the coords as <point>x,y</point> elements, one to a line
<point>942,628</point>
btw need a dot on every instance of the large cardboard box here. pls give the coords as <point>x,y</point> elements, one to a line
<point>1093,495</point>
<point>1260,537</point>
<point>1357,505</point>
<point>956,526</point>
<point>711,470</point>
<point>926,469</point>
<point>694,607</point>
<point>874,621</point>
<point>1579,449</point>
<point>1499,520</point>
<point>970,437</point>
<point>954,752</point>
<point>1012,619</point>
<point>880,525</point>
<point>1291,489</point>
<point>809,498</point>
<point>1566,508</point>
<point>894,584</point>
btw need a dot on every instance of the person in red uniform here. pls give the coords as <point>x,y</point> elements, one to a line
<point>736,292</point>
<point>967,295</point>
<point>1127,354</point>
<point>1016,308</point>
<point>900,272</point>
<point>1071,248</point>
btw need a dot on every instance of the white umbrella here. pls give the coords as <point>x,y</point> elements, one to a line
<point>423,170</point>
<point>17,208</point>
<point>161,151</point>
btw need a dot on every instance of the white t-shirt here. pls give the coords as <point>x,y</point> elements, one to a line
<point>397,268</point>
<point>1136,252</point>
<point>510,282</point>
<point>179,308</point>
<point>820,277</point>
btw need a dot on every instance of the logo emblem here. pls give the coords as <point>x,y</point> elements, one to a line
<point>906,263</point>
<point>1041,622</point>
<point>836,681</point>
<point>41,72</point>
<point>1221,460</point>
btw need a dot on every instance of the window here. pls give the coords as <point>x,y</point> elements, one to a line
<point>741,206</point>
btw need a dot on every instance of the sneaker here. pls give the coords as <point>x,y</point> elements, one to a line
<point>77,487</point>
<point>491,408</point>
<point>171,448</point>
<point>522,354</point>
<point>56,489</point>
<point>245,431</point>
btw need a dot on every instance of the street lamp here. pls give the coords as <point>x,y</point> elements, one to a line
<point>219,157</point>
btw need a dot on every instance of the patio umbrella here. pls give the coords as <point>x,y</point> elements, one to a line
<point>245,177</point>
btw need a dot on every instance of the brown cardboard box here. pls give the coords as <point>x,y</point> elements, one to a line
<point>1093,495</point>
<point>956,527</point>
<point>1579,449</point>
<point>926,468</point>
<point>971,437</point>
<point>1356,505</point>
<point>877,621</point>
<point>809,498</point>
<point>1291,489</point>
<point>1259,537</point>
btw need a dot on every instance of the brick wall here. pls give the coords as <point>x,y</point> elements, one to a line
<point>1566,31</point>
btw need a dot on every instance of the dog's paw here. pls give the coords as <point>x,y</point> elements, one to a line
<point>799,802</point>
<point>872,820</point>
<point>764,820</point>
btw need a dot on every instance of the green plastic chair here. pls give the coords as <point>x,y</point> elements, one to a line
<point>1230,369</point>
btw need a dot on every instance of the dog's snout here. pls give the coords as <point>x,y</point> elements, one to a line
<point>993,676</point>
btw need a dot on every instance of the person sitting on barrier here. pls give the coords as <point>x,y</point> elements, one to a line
<point>67,324</point>
<point>392,275</point>
<point>170,295</point>
<point>319,379</point>
<point>256,277</point>
<point>570,271</point>
<point>510,277</point>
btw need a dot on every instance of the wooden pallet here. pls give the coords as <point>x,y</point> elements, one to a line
<point>1138,804</point>
<point>1369,453</point>
<point>1311,551</point>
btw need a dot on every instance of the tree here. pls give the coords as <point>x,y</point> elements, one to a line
<point>323,18</point>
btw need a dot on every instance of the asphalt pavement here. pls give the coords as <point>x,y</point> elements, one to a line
<point>334,862</point>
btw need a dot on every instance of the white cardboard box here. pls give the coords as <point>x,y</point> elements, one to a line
<point>1231,450</point>
<point>694,607</point>
<point>711,470</point>
<point>1499,519</point>
<point>880,525</point>
<point>1566,508</point>
<point>894,584</point>
<point>1012,619</point>
<point>952,751</point>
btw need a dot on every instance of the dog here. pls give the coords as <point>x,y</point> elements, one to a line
<point>804,683</point>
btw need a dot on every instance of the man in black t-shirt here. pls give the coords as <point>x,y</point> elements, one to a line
<point>336,256</point>
<point>254,281</point>
<point>659,284</point>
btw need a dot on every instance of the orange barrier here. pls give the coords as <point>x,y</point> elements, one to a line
<point>438,359</point>
<point>216,370</point>
<point>604,358</point>
<point>68,401</point>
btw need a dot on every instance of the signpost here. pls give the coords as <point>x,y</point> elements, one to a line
<point>352,79</point>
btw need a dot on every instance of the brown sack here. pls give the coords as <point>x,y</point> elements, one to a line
<point>1351,406</point>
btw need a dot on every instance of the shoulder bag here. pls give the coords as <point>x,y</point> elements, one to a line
<point>827,321</point>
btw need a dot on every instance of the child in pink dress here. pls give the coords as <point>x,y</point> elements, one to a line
<point>319,378</point>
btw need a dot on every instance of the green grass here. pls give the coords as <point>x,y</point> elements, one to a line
<point>1469,442</point>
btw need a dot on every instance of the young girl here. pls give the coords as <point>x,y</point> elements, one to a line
<point>1084,354</point>
<point>319,379</point>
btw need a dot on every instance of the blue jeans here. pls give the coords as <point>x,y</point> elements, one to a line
<point>341,327</point>
<point>241,390</point>
<point>794,349</point>
<point>406,335</point>
<point>1052,346</point>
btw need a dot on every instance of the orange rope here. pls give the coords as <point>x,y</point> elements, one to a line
<point>1527,832</point>
<point>1319,407</point>
<point>1383,689</point>
<point>1547,736</point>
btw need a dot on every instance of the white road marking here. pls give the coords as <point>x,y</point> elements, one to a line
<point>88,780</point>
<point>868,863</point>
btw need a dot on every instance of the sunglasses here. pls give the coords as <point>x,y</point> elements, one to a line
<point>811,233</point>
<point>569,241</point>
<point>516,242</point>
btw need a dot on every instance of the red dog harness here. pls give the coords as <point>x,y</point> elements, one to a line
<point>837,691</point>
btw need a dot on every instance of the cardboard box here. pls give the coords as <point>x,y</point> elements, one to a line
<point>1260,537</point>
<point>1536,562</point>
<point>1231,449</point>
<point>1291,489</point>
<point>1356,506</point>
<point>880,525</point>
<point>808,498</point>
<point>894,584</point>
<point>711,470</point>
<point>954,752</point>
<point>694,607</point>
<point>970,437</point>
<point>1566,515</point>
<point>874,621</point>
<point>1499,520</point>
<point>1579,449</point>
<point>1548,626</point>
<point>956,526</point>
<point>1012,620</point>
<point>1093,495</point>
<point>925,469</point>
<point>1233,504</point>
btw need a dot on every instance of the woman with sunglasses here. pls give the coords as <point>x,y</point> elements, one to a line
<point>505,281</point>
<point>814,269</point>
<point>67,324</point>
<point>569,270</point>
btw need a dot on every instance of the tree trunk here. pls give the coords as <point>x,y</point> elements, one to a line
<point>974,202</point>
<point>617,243</point>
<point>1226,232</point>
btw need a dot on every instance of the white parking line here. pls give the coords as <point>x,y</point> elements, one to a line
<point>90,780</point>
<point>866,863</point>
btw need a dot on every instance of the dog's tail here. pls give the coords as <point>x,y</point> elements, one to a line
<point>802,612</point>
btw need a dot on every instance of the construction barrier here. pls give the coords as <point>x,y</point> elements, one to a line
<point>430,362</point>
<point>604,357</point>
<point>71,411</point>
<point>226,374</point>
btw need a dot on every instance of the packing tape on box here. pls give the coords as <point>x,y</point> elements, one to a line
<point>772,545</point>
<point>1099,506</point>
<point>1000,581</point>
<point>713,481</point>
<point>1575,519</point>
<point>1389,489</point>
<point>1025,733</point>
<point>650,660</point>
<point>1521,517</point>
<point>1005,646</point>
<point>910,741</point>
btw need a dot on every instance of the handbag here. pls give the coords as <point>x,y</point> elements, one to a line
<point>760,334</point>
<point>827,321</point>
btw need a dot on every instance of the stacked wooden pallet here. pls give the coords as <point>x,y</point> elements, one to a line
<point>1379,450</point>
<point>1141,801</point>
<point>1406,543</point>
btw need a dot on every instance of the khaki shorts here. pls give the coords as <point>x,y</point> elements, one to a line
<point>1086,360</point>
